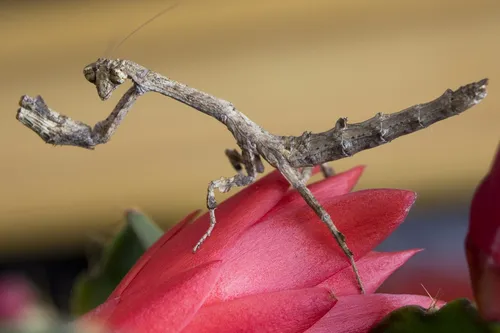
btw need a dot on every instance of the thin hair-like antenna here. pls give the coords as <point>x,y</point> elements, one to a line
<point>142,26</point>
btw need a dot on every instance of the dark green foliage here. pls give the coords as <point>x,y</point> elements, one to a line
<point>94,287</point>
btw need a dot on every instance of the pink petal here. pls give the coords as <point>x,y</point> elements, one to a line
<point>234,216</point>
<point>152,251</point>
<point>475,260</point>
<point>177,228</point>
<point>338,184</point>
<point>484,227</point>
<point>483,243</point>
<point>285,311</point>
<point>485,278</point>
<point>359,313</point>
<point>290,247</point>
<point>165,306</point>
<point>99,314</point>
<point>374,269</point>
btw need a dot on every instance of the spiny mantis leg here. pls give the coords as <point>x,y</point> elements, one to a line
<point>224,184</point>
<point>327,170</point>
<point>237,161</point>
<point>295,178</point>
<point>306,172</point>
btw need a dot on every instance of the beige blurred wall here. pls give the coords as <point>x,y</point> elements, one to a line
<point>291,66</point>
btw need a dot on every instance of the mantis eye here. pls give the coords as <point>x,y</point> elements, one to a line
<point>89,73</point>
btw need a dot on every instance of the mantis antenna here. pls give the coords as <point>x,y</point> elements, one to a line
<point>133,32</point>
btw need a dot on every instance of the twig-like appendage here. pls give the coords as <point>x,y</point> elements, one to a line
<point>292,155</point>
<point>58,129</point>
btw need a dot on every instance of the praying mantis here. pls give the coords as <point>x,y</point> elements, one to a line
<point>293,156</point>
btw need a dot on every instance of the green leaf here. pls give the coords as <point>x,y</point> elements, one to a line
<point>146,231</point>
<point>93,288</point>
<point>457,316</point>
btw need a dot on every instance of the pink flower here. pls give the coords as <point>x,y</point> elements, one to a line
<point>483,243</point>
<point>269,266</point>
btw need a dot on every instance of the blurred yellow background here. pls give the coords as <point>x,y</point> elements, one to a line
<point>290,66</point>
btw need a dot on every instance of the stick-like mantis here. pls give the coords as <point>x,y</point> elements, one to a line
<point>293,156</point>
